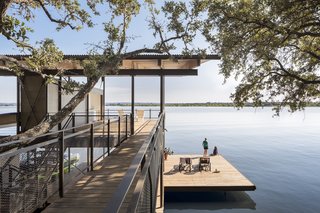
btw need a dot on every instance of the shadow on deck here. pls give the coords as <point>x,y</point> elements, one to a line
<point>94,190</point>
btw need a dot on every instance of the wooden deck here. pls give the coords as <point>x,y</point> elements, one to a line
<point>94,190</point>
<point>228,179</point>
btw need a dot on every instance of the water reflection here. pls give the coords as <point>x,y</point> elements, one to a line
<point>175,201</point>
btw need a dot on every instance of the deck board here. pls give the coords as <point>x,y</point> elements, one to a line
<point>94,190</point>
<point>228,179</point>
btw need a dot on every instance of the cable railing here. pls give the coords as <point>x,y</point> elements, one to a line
<point>32,174</point>
<point>147,166</point>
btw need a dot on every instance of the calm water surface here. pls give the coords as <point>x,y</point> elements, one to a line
<point>280,155</point>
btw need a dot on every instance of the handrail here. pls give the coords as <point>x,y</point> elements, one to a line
<point>123,188</point>
<point>66,124</point>
<point>34,154</point>
<point>136,194</point>
<point>48,134</point>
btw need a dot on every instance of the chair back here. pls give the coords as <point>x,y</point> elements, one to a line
<point>204,160</point>
<point>188,160</point>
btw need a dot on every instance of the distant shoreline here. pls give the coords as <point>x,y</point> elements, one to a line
<point>209,104</point>
<point>217,104</point>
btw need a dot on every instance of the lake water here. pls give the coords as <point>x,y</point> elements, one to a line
<point>280,155</point>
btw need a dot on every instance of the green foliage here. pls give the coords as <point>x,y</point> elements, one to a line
<point>272,47</point>
<point>46,56</point>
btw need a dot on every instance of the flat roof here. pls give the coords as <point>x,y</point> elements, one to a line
<point>141,65</point>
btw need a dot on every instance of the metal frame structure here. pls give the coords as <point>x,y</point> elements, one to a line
<point>30,175</point>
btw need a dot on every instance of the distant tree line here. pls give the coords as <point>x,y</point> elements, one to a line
<point>207,104</point>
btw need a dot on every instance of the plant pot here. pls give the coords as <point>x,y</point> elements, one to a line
<point>165,156</point>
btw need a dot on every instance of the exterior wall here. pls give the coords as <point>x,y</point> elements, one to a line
<point>94,104</point>
<point>33,101</point>
<point>80,110</point>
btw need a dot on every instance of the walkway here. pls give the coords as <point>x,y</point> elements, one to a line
<point>94,190</point>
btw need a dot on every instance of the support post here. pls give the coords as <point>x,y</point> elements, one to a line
<point>87,108</point>
<point>162,91</point>
<point>59,98</point>
<point>126,126</point>
<point>69,160</point>
<point>132,106</point>
<point>73,122</point>
<point>104,98</point>
<point>108,136</point>
<point>18,106</point>
<point>91,146</point>
<point>61,165</point>
<point>119,120</point>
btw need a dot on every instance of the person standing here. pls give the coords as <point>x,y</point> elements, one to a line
<point>205,147</point>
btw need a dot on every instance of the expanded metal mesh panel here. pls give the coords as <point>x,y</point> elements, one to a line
<point>144,204</point>
<point>30,175</point>
<point>148,194</point>
<point>28,178</point>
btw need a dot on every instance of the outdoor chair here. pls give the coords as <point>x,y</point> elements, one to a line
<point>140,115</point>
<point>204,164</point>
<point>185,164</point>
<point>121,112</point>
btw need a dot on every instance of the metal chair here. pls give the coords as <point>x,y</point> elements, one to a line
<point>204,164</point>
<point>185,164</point>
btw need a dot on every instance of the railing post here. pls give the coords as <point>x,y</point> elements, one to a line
<point>73,122</point>
<point>69,160</point>
<point>149,113</point>
<point>91,146</point>
<point>131,124</point>
<point>126,126</point>
<point>103,129</point>
<point>61,165</point>
<point>119,120</point>
<point>108,136</point>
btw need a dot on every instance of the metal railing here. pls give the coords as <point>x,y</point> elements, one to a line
<point>148,113</point>
<point>148,167</point>
<point>30,175</point>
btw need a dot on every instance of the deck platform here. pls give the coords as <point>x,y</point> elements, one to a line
<point>94,190</point>
<point>228,179</point>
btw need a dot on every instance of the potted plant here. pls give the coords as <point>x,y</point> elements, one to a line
<point>167,151</point>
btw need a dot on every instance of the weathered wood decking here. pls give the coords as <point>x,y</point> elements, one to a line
<point>228,179</point>
<point>94,190</point>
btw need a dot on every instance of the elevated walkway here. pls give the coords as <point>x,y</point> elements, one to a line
<point>94,190</point>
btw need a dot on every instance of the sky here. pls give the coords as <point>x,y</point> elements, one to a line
<point>206,87</point>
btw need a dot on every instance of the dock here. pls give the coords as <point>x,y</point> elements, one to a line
<point>226,178</point>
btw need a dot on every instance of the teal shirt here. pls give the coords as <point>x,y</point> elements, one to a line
<point>205,144</point>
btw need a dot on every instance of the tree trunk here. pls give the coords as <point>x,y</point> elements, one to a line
<point>53,120</point>
<point>4,4</point>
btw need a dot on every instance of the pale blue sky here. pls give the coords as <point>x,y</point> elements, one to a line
<point>206,87</point>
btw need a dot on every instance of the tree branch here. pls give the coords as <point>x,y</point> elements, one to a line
<point>281,68</point>
<point>58,21</point>
<point>17,63</point>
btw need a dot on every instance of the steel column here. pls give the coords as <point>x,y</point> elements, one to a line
<point>108,136</point>
<point>162,91</point>
<point>132,105</point>
<point>18,106</point>
<point>61,165</point>
<point>91,146</point>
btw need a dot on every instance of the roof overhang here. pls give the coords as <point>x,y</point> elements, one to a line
<point>139,65</point>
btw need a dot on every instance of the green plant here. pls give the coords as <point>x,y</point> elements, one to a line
<point>168,151</point>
